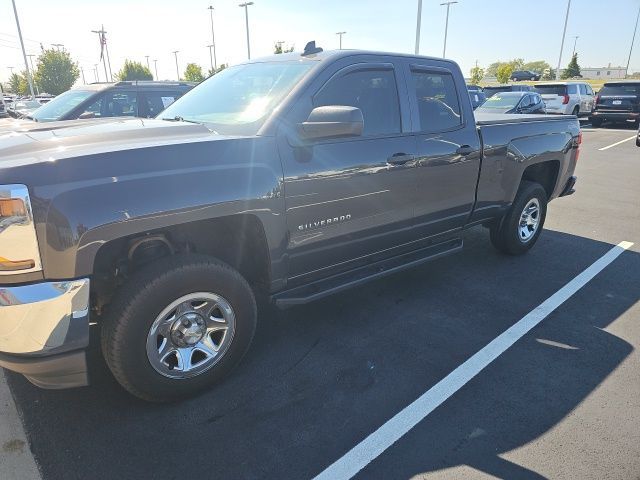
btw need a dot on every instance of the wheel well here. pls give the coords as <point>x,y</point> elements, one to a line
<point>544,173</point>
<point>238,240</point>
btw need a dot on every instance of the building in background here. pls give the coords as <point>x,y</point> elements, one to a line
<point>603,73</point>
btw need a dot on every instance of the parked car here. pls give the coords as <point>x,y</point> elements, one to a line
<point>122,99</point>
<point>296,176</point>
<point>3,108</point>
<point>618,102</point>
<point>22,108</point>
<point>474,88</point>
<point>519,75</point>
<point>477,98</point>
<point>513,102</point>
<point>493,89</point>
<point>567,98</point>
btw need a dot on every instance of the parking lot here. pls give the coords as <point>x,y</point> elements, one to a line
<point>561,402</point>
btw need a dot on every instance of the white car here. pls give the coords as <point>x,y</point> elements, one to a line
<point>567,98</point>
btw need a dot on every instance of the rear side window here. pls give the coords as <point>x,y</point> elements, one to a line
<point>437,100</point>
<point>551,89</point>
<point>156,102</point>
<point>619,89</point>
<point>374,92</point>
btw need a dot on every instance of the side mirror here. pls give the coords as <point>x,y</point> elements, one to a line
<point>87,115</point>
<point>332,121</point>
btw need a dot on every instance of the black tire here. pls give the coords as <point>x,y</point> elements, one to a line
<point>596,122</point>
<point>135,307</point>
<point>505,234</point>
<point>637,141</point>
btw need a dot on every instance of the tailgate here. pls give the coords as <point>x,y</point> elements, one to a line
<point>618,103</point>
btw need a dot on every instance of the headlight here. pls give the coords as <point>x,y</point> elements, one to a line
<point>18,243</point>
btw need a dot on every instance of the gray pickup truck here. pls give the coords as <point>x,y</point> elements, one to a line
<point>292,177</point>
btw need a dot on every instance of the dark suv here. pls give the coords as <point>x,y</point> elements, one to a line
<point>525,75</point>
<point>618,102</point>
<point>122,99</point>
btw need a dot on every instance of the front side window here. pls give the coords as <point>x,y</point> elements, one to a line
<point>238,100</point>
<point>374,92</point>
<point>437,100</point>
<point>156,102</point>
<point>113,104</point>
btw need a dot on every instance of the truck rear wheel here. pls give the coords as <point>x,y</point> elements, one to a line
<point>520,228</point>
<point>178,326</point>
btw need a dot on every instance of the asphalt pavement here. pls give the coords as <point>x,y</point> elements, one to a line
<point>561,402</point>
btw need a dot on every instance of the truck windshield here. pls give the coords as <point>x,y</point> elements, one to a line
<point>60,105</point>
<point>238,100</point>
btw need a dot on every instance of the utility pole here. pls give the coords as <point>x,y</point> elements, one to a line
<point>246,20</point>
<point>626,72</point>
<point>147,57</point>
<point>155,66</point>
<point>340,35</point>
<point>24,53</point>
<point>10,70</point>
<point>177,69</point>
<point>84,82</point>
<point>106,49</point>
<point>418,21</point>
<point>564,32</point>
<point>95,71</point>
<point>446,26</point>
<point>575,40</point>
<point>213,41</point>
<point>103,43</point>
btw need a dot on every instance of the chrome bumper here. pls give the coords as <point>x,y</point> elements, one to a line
<point>40,325</point>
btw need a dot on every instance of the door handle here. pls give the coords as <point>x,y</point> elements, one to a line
<point>400,158</point>
<point>465,150</point>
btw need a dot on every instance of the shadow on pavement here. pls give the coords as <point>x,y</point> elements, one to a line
<point>321,377</point>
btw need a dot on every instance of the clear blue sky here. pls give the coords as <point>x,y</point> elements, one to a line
<point>485,31</point>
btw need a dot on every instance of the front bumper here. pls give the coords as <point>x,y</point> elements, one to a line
<point>44,329</point>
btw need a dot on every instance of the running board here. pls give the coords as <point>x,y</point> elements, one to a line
<point>337,283</point>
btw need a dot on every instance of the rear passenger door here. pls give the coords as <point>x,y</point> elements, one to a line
<point>448,149</point>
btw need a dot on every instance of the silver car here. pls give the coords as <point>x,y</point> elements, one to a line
<point>567,98</point>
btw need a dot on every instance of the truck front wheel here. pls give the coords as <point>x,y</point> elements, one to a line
<point>520,228</point>
<point>178,326</point>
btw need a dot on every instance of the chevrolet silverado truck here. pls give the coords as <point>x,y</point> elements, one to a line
<point>292,177</point>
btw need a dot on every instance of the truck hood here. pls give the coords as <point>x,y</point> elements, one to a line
<point>28,142</point>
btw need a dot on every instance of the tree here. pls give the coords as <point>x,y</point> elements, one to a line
<point>55,71</point>
<point>549,74</point>
<point>538,66</point>
<point>503,74</point>
<point>212,72</point>
<point>515,64</point>
<point>477,73</point>
<point>193,73</point>
<point>134,71</point>
<point>573,69</point>
<point>277,48</point>
<point>14,83</point>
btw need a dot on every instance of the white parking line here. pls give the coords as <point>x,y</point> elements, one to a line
<point>366,451</point>
<point>617,143</point>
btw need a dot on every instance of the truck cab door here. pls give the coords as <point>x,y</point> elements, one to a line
<point>349,199</point>
<point>448,148</point>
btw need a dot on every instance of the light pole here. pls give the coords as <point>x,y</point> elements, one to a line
<point>446,27</point>
<point>626,72</point>
<point>211,58</point>
<point>24,53</point>
<point>95,71</point>
<point>575,40</point>
<point>213,41</point>
<point>58,45</point>
<point>177,69</point>
<point>246,20</point>
<point>340,35</point>
<point>147,57</point>
<point>84,82</point>
<point>418,21</point>
<point>564,32</point>
<point>155,66</point>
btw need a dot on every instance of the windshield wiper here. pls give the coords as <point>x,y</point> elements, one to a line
<point>178,118</point>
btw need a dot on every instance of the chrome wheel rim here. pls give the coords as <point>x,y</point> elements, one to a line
<point>191,335</point>
<point>529,220</point>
